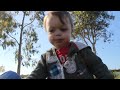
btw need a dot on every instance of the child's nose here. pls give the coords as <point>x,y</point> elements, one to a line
<point>58,33</point>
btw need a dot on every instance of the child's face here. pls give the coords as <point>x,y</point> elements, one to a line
<point>58,34</point>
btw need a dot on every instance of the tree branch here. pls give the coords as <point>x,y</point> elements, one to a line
<point>29,23</point>
<point>89,39</point>
<point>83,37</point>
<point>13,38</point>
<point>93,36</point>
<point>85,41</point>
<point>82,34</point>
<point>89,36</point>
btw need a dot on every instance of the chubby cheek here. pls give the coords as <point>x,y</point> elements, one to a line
<point>67,36</point>
<point>50,38</point>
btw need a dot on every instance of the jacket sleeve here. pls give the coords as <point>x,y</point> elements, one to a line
<point>95,64</point>
<point>40,72</point>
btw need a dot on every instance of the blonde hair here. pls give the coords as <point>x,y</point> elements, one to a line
<point>60,15</point>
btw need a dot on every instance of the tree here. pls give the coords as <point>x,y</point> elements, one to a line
<point>2,68</point>
<point>90,26</point>
<point>6,26</point>
<point>26,43</point>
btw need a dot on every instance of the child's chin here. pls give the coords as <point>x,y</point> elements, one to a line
<point>60,46</point>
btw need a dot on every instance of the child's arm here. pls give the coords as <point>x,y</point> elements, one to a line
<point>40,72</point>
<point>95,65</point>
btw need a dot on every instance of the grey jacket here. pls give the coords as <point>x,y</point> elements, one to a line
<point>81,63</point>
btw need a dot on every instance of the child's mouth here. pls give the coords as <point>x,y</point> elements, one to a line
<point>59,40</point>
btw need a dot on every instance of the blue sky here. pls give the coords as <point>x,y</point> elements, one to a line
<point>108,52</point>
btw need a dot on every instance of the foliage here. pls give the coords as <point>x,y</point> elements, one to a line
<point>90,26</point>
<point>21,34</point>
<point>2,68</point>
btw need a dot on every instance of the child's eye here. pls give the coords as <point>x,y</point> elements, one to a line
<point>51,31</point>
<point>63,29</point>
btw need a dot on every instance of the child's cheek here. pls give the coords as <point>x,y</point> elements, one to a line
<point>67,36</point>
<point>49,38</point>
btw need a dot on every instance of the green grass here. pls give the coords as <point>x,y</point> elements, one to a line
<point>116,75</point>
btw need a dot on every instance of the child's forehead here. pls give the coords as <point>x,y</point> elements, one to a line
<point>57,18</point>
<point>55,21</point>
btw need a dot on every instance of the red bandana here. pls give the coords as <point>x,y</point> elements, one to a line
<point>62,54</point>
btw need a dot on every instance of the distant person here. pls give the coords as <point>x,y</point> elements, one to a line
<point>67,59</point>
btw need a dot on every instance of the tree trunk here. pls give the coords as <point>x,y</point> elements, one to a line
<point>94,48</point>
<point>20,45</point>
